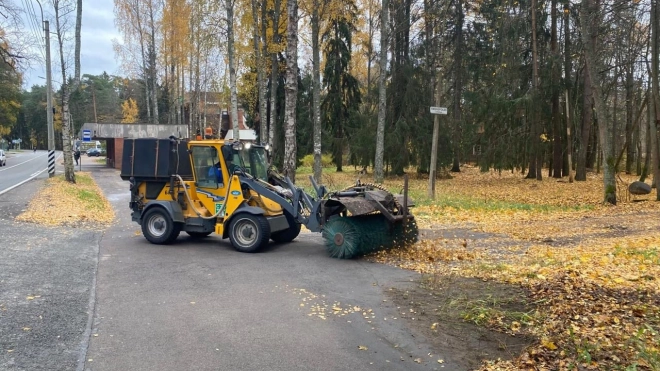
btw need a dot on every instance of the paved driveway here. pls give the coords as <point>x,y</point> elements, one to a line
<point>200,305</point>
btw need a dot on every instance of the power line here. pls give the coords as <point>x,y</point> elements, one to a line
<point>33,24</point>
<point>38,26</point>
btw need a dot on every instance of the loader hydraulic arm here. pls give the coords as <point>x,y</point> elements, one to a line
<point>300,201</point>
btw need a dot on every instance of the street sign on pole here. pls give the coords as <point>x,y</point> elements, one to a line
<point>87,135</point>
<point>439,110</point>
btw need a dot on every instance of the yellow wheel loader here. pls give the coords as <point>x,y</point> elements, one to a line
<point>226,187</point>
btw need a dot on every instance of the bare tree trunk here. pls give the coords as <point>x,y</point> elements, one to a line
<point>535,156</point>
<point>567,86</point>
<point>630,154</point>
<point>274,77</point>
<point>291,96</point>
<point>655,96</point>
<point>232,68</point>
<point>587,123</point>
<point>69,173</point>
<point>590,21</point>
<point>263,108</point>
<point>458,85</point>
<point>382,102</point>
<point>76,71</point>
<point>260,72</point>
<point>153,76</point>
<point>650,115</point>
<point>316,92</point>
<point>557,163</point>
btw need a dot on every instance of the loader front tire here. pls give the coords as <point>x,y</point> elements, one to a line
<point>248,232</point>
<point>158,227</point>
<point>288,234</point>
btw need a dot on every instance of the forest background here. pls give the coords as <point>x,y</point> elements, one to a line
<point>528,84</point>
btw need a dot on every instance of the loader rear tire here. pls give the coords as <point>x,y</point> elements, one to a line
<point>288,234</point>
<point>248,232</point>
<point>158,227</point>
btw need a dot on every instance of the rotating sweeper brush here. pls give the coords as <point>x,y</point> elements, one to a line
<point>371,219</point>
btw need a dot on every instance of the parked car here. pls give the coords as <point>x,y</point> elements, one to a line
<point>3,158</point>
<point>94,152</point>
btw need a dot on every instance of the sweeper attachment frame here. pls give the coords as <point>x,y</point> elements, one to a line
<point>225,187</point>
<point>355,221</point>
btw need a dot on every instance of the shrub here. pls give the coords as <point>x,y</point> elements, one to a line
<point>308,161</point>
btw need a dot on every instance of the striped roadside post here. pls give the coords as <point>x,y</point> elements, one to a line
<point>51,164</point>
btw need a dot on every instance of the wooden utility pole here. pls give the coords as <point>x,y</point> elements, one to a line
<point>437,111</point>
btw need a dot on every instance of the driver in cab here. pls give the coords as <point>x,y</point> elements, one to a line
<point>215,173</point>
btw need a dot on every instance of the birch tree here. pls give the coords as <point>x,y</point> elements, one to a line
<point>62,8</point>
<point>316,90</point>
<point>382,104</point>
<point>229,5</point>
<point>260,72</point>
<point>291,90</point>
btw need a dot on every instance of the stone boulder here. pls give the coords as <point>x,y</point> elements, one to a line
<point>639,188</point>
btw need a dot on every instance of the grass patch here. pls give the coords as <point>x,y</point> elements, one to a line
<point>62,203</point>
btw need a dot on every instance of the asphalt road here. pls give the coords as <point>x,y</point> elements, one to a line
<point>46,282</point>
<point>200,305</point>
<point>22,166</point>
<point>74,299</point>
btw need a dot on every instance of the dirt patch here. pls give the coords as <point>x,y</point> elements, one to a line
<point>465,319</point>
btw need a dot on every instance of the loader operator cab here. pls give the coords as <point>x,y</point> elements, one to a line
<point>243,157</point>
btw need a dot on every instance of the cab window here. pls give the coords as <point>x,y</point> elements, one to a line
<point>204,160</point>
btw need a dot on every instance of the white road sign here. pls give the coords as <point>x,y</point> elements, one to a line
<point>439,110</point>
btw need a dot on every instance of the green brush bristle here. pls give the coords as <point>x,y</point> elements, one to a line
<point>365,234</point>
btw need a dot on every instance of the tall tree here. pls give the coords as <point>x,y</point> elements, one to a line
<point>382,97</point>
<point>343,94</point>
<point>458,84</point>
<point>274,73</point>
<point>535,162</point>
<point>655,94</point>
<point>291,89</point>
<point>555,65</point>
<point>316,89</point>
<point>62,8</point>
<point>260,72</point>
<point>590,23</point>
<point>229,5</point>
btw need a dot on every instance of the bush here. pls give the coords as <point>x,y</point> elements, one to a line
<point>308,161</point>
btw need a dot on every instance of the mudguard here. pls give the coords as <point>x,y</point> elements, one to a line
<point>172,207</point>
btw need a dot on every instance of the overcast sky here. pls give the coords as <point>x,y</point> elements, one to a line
<point>96,53</point>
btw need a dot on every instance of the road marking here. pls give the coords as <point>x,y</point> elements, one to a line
<point>34,175</point>
<point>21,163</point>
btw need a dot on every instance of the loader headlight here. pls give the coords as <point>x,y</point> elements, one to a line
<point>238,146</point>
<point>247,145</point>
<point>267,147</point>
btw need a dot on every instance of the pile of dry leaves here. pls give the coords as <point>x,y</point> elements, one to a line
<point>62,203</point>
<point>591,270</point>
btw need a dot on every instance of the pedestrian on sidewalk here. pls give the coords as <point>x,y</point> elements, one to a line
<point>76,156</point>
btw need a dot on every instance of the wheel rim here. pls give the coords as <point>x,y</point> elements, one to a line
<point>245,232</point>
<point>157,225</point>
